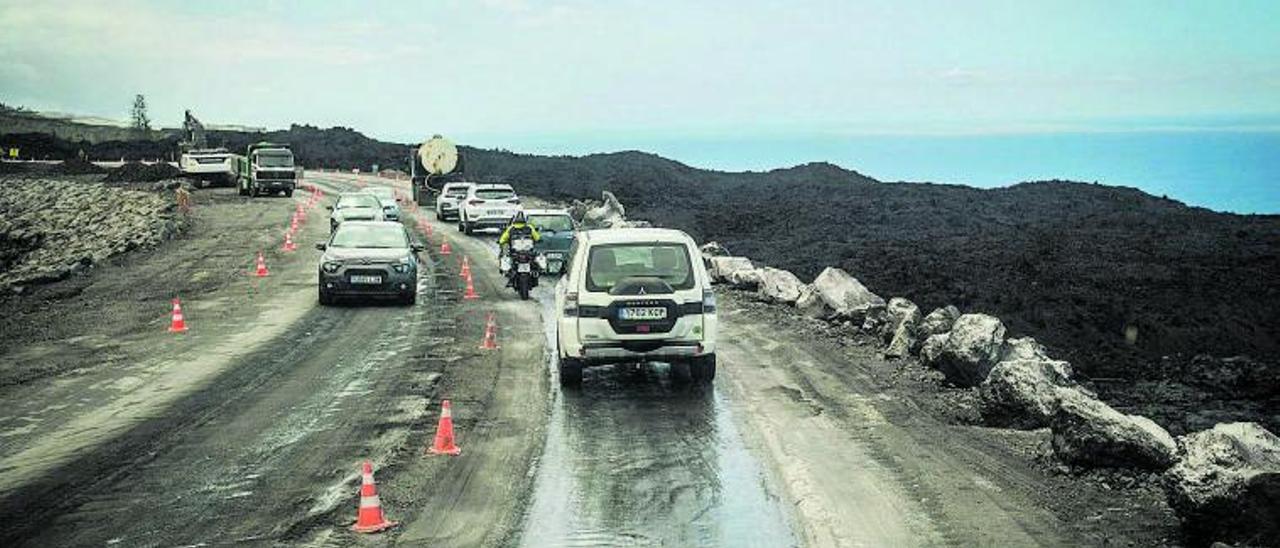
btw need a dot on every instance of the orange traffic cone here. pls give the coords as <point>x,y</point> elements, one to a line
<point>444,444</point>
<point>369,518</point>
<point>444,248</point>
<point>471,290</point>
<point>490,341</point>
<point>262,267</point>
<point>300,213</point>
<point>179,323</point>
<point>293,224</point>
<point>288,242</point>
<point>466,267</point>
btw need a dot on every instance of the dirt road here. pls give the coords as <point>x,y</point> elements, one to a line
<point>250,428</point>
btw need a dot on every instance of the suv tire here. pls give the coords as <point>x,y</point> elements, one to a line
<point>703,369</point>
<point>325,298</point>
<point>570,372</point>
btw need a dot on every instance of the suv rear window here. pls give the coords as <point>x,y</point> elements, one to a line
<point>494,194</point>
<point>609,264</point>
<point>456,192</point>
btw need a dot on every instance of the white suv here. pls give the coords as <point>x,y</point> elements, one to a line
<point>451,195</point>
<point>487,206</point>
<point>635,295</point>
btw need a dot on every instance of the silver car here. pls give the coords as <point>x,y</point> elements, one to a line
<point>390,203</point>
<point>355,206</point>
<point>369,259</point>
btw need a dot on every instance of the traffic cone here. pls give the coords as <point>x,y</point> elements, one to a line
<point>444,444</point>
<point>262,267</point>
<point>466,267</point>
<point>444,248</point>
<point>471,290</point>
<point>490,341</point>
<point>178,324</point>
<point>293,224</point>
<point>428,227</point>
<point>369,518</point>
<point>288,242</point>
<point>300,213</point>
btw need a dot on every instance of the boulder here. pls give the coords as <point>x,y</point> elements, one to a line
<point>812,305</point>
<point>713,249</point>
<point>902,341</point>
<point>1025,348</point>
<point>749,280</point>
<point>1227,486</point>
<point>721,268</point>
<point>1088,432</point>
<point>845,294</point>
<point>899,311</point>
<point>970,350</point>
<point>931,350</point>
<point>779,286</point>
<point>609,214</point>
<point>1024,393</point>
<point>938,322</point>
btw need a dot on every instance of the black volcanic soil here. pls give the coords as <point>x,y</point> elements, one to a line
<point>1072,264</point>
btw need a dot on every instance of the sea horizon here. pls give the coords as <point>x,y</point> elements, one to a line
<point>1225,170</point>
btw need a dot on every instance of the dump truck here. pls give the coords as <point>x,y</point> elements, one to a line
<point>432,165</point>
<point>265,168</point>
<point>199,162</point>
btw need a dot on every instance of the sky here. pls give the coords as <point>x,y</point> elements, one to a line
<point>488,69</point>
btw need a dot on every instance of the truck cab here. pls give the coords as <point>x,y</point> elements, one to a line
<point>266,168</point>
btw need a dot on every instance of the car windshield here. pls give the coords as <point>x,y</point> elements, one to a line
<point>382,236</point>
<point>385,194</point>
<point>275,160</point>
<point>610,264</point>
<point>495,194</point>
<point>556,223</point>
<point>357,200</point>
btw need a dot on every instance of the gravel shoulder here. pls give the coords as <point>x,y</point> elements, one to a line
<point>912,470</point>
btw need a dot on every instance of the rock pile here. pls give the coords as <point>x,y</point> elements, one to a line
<point>137,172</point>
<point>51,229</point>
<point>607,213</point>
<point>1224,482</point>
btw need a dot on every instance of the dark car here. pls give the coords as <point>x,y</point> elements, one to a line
<point>558,231</point>
<point>369,259</point>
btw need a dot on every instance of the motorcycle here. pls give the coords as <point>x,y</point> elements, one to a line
<point>522,266</point>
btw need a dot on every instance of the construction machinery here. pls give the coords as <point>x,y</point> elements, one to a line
<point>431,165</point>
<point>209,166</point>
<point>265,168</point>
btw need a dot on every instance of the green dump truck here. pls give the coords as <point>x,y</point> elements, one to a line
<point>265,168</point>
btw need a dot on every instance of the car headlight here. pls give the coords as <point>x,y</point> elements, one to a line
<point>405,264</point>
<point>331,266</point>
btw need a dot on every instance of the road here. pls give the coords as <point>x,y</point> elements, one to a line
<point>250,428</point>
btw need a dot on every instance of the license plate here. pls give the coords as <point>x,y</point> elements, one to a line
<point>523,267</point>
<point>494,212</point>
<point>555,255</point>
<point>366,279</point>
<point>642,313</point>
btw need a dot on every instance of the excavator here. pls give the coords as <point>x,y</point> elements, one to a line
<point>209,166</point>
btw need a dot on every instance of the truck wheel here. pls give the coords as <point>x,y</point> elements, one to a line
<point>570,372</point>
<point>288,193</point>
<point>703,369</point>
<point>410,299</point>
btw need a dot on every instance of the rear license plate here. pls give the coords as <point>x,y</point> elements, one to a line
<point>556,256</point>
<point>523,267</point>
<point>366,279</point>
<point>493,212</point>
<point>642,313</point>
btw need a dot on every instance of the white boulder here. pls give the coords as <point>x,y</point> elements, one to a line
<point>749,280</point>
<point>845,294</point>
<point>721,268</point>
<point>969,350</point>
<point>1025,348</point>
<point>938,322</point>
<point>779,286</point>
<point>1227,485</point>
<point>1024,393</point>
<point>1088,432</point>
<point>713,249</point>
<point>812,305</point>
<point>610,214</point>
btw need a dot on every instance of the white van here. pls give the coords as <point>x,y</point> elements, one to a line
<point>635,295</point>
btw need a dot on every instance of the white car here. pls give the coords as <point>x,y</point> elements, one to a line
<point>487,206</point>
<point>636,295</point>
<point>450,196</point>
<point>355,206</point>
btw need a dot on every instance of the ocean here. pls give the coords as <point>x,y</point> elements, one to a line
<point>1229,171</point>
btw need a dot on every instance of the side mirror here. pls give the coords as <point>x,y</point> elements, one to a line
<point>417,247</point>
<point>321,246</point>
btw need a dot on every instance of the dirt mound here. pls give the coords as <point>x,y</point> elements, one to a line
<point>77,166</point>
<point>137,172</point>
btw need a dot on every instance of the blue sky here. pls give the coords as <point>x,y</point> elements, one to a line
<point>405,70</point>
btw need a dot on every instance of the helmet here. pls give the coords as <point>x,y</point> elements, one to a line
<point>518,218</point>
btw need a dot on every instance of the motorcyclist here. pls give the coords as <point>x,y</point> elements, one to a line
<point>519,227</point>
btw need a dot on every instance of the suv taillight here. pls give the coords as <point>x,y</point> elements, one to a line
<point>708,302</point>
<point>571,305</point>
<point>475,202</point>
